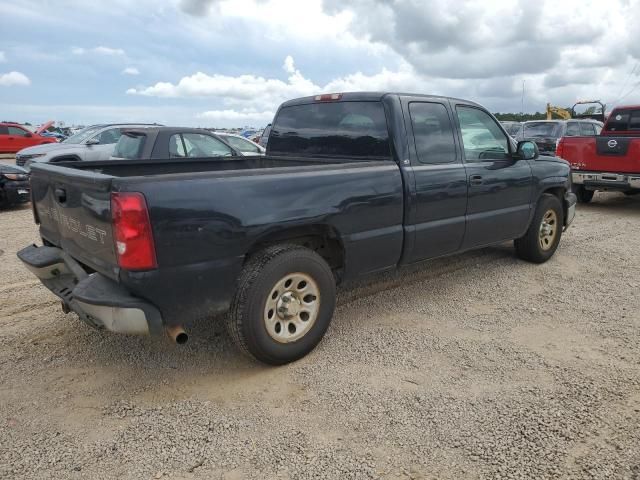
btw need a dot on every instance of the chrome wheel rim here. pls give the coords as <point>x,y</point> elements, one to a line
<point>548,229</point>
<point>292,307</point>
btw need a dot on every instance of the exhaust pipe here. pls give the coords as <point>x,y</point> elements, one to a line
<point>177,334</point>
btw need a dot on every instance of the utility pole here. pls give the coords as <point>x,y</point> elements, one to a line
<point>522,100</point>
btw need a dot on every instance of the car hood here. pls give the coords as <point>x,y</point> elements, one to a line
<point>50,147</point>
<point>4,168</point>
<point>43,127</point>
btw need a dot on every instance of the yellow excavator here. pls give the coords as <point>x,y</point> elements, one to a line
<point>561,112</point>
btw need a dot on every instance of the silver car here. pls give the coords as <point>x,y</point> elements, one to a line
<point>243,145</point>
<point>92,143</point>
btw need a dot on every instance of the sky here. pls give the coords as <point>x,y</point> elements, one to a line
<point>230,63</point>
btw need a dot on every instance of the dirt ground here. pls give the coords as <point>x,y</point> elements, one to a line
<point>475,366</point>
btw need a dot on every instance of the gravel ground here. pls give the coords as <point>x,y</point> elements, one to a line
<point>476,366</point>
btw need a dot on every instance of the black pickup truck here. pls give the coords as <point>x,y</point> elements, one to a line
<point>352,184</point>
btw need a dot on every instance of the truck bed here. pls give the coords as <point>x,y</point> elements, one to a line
<point>154,167</point>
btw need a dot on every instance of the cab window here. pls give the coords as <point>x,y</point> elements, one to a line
<point>432,132</point>
<point>482,138</point>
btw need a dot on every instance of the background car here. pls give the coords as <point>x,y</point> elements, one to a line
<point>547,133</point>
<point>170,142</point>
<point>91,143</point>
<point>14,137</point>
<point>14,185</point>
<point>512,128</point>
<point>264,138</point>
<point>243,145</point>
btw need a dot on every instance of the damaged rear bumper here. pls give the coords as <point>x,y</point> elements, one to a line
<point>98,300</point>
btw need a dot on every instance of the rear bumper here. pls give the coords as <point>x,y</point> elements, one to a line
<point>606,181</point>
<point>98,300</point>
<point>570,201</point>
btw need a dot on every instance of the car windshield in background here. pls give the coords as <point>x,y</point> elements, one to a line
<point>343,129</point>
<point>513,128</point>
<point>541,129</point>
<point>129,146</point>
<point>82,135</point>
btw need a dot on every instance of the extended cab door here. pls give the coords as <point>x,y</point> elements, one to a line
<point>435,221</point>
<point>499,186</point>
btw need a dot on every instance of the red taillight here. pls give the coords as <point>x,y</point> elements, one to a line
<point>132,231</point>
<point>328,97</point>
<point>560,148</point>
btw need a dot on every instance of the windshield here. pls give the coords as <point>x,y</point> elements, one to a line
<point>83,135</point>
<point>541,129</point>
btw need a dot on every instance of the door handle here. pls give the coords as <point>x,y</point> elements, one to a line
<point>475,179</point>
<point>61,195</point>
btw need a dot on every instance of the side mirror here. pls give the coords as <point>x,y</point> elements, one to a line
<point>92,141</point>
<point>28,134</point>
<point>527,150</point>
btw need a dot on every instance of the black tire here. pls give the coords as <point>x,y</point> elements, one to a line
<point>246,321</point>
<point>530,246</point>
<point>584,195</point>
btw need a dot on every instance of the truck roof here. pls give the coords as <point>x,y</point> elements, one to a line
<point>370,97</point>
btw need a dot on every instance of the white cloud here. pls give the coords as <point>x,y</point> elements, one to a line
<point>243,89</point>
<point>234,118</point>
<point>100,50</point>
<point>131,71</point>
<point>14,79</point>
<point>3,57</point>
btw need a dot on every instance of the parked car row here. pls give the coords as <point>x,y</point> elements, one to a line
<point>100,142</point>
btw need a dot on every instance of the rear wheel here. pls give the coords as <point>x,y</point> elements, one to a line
<point>543,236</point>
<point>584,195</point>
<point>283,305</point>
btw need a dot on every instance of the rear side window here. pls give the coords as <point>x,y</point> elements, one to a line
<point>623,120</point>
<point>200,145</point>
<point>17,131</point>
<point>587,130</point>
<point>432,133</point>
<point>341,129</point>
<point>129,146</point>
<point>4,130</point>
<point>573,129</point>
<point>241,144</point>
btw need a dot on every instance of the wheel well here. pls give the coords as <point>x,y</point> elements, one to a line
<point>558,192</point>
<point>322,239</point>
<point>65,158</point>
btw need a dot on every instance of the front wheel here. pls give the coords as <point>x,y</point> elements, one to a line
<point>543,236</point>
<point>283,305</point>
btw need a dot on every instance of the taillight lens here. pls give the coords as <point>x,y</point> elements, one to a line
<point>132,231</point>
<point>559,147</point>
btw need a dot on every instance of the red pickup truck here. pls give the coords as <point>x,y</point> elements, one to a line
<point>609,161</point>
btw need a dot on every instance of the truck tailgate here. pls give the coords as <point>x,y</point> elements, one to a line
<point>603,153</point>
<point>74,211</point>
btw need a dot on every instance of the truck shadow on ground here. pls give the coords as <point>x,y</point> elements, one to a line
<point>210,351</point>
<point>613,203</point>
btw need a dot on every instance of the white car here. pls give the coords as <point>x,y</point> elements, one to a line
<point>243,145</point>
